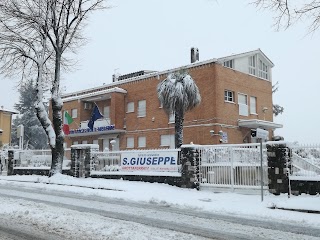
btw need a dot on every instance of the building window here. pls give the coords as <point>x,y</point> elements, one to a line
<point>106,112</point>
<point>263,70</point>
<point>167,141</point>
<point>141,142</point>
<point>130,107</point>
<point>74,113</point>
<point>84,142</point>
<point>75,143</point>
<point>130,142</point>
<point>142,108</point>
<point>95,142</point>
<point>243,104</point>
<point>229,63</point>
<point>253,105</point>
<point>228,96</point>
<point>172,117</point>
<point>252,65</point>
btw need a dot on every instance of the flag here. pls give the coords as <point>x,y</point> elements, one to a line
<point>67,120</point>
<point>94,116</point>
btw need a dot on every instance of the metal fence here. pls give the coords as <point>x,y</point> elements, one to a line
<point>38,159</point>
<point>233,166</point>
<point>305,162</point>
<point>105,161</point>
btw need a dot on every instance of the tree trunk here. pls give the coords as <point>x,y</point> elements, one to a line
<point>56,103</point>
<point>179,118</point>
<point>41,112</point>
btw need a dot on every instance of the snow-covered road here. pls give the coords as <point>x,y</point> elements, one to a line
<point>78,216</point>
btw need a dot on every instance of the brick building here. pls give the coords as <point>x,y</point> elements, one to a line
<point>236,96</point>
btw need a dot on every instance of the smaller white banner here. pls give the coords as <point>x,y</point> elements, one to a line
<point>155,161</point>
<point>261,133</point>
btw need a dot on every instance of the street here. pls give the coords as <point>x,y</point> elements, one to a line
<point>201,225</point>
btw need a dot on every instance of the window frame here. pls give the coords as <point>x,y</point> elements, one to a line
<point>172,118</point>
<point>142,110</point>
<point>263,70</point>
<point>130,107</point>
<point>167,142</point>
<point>255,105</point>
<point>74,113</point>
<point>252,62</point>
<point>229,63</point>
<point>142,144</point>
<point>226,96</point>
<point>106,114</point>
<point>132,144</point>
<point>242,106</point>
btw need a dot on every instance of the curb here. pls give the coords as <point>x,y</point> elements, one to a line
<point>61,184</point>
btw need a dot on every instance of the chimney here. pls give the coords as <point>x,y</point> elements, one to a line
<point>194,54</point>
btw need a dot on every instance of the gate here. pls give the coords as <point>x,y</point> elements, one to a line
<point>232,166</point>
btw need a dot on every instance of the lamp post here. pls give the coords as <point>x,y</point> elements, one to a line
<point>20,135</point>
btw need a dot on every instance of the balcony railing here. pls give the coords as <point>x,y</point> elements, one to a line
<point>99,123</point>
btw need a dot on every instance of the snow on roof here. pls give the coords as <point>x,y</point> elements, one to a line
<point>2,109</point>
<point>80,95</point>
<point>99,90</point>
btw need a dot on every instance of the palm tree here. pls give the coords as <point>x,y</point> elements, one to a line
<point>178,93</point>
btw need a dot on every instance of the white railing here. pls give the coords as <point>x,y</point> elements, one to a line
<point>232,166</point>
<point>105,161</point>
<point>38,159</point>
<point>305,162</point>
<point>98,123</point>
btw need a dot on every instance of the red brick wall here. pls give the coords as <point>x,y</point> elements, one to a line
<point>212,79</point>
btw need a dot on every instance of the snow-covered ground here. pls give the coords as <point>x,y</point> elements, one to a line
<point>247,206</point>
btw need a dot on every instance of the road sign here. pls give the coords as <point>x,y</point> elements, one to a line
<point>263,134</point>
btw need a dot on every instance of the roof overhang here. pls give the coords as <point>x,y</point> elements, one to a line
<point>1,131</point>
<point>256,123</point>
<point>8,111</point>
<point>94,96</point>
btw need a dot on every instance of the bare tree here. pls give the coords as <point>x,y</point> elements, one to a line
<point>55,26</point>
<point>64,28</point>
<point>24,50</point>
<point>289,12</point>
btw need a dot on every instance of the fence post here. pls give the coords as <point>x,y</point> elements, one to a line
<point>278,157</point>
<point>81,155</point>
<point>10,162</point>
<point>190,173</point>
<point>230,153</point>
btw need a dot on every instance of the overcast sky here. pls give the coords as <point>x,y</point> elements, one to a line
<point>158,34</point>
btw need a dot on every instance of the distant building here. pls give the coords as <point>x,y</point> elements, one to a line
<point>5,126</point>
<point>236,96</point>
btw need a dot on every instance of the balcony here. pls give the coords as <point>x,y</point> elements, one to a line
<point>99,123</point>
<point>100,127</point>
